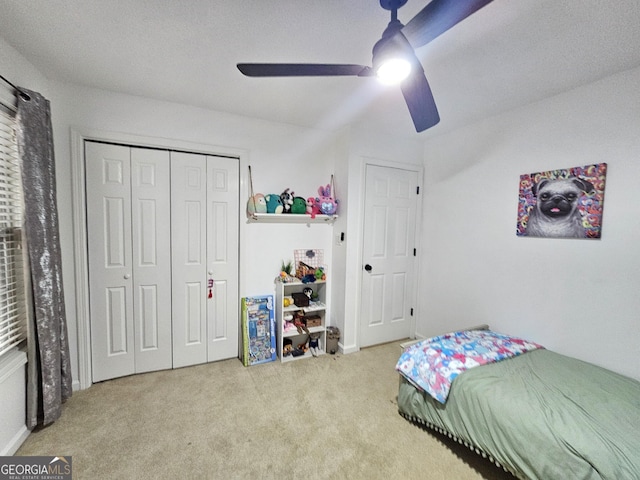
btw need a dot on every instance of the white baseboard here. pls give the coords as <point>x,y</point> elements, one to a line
<point>14,444</point>
<point>347,350</point>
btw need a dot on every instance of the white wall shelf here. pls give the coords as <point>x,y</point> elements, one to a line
<point>289,218</point>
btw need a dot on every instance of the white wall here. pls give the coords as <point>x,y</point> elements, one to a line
<point>280,155</point>
<point>577,297</point>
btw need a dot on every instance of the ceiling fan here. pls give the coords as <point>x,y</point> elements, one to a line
<point>398,43</point>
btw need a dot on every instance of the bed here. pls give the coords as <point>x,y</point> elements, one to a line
<point>534,412</point>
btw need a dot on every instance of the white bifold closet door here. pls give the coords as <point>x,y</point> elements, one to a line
<point>128,223</point>
<point>160,226</point>
<point>204,235</point>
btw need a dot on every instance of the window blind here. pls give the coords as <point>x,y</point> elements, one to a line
<point>12,299</point>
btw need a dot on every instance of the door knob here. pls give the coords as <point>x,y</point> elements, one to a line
<point>368,267</point>
<point>127,276</point>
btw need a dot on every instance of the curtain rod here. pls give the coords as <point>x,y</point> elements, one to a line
<point>23,94</point>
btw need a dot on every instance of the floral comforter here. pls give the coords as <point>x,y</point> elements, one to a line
<point>432,364</point>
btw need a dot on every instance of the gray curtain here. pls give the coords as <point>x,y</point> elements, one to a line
<point>49,367</point>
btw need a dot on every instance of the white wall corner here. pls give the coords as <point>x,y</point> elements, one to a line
<point>13,391</point>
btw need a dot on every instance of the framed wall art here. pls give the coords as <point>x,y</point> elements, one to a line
<point>564,203</point>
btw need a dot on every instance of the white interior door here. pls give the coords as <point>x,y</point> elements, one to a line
<point>108,177</point>
<point>223,212</point>
<point>205,211</point>
<point>151,256</point>
<point>388,274</point>
<point>189,258</point>
<point>128,227</point>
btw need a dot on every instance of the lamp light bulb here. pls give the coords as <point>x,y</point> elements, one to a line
<point>393,71</point>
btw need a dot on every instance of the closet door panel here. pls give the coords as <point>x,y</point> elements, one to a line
<point>107,170</point>
<point>188,257</point>
<point>223,180</point>
<point>151,240</point>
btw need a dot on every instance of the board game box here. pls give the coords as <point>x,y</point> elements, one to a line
<point>258,330</point>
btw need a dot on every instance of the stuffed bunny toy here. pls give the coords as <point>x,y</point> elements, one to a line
<point>328,205</point>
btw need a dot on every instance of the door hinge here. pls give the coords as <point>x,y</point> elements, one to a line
<point>412,312</point>
<point>418,190</point>
<point>414,252</point>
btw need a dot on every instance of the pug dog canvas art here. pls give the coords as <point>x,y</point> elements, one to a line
<point>555,213</point>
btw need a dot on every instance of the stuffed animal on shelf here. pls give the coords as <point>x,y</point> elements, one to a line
<point>299,322</point>
<point>314,344</point>
<point>313,208</point>
<point>304,347</point>
<point>327,204</point>
<point>274,203</point>
<point>287,347</point>
<point>288,323</point>
<point>299,205</point>
<point>287,200</point>
<point>256,204</point>
<point>319,274</point>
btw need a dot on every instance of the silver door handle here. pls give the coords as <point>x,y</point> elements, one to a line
<point>127,276</point>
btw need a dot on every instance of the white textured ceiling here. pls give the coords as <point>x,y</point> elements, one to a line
<point>510,53</point>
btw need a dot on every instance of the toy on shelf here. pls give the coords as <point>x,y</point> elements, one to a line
<point>324,205</point>
<point>298,322</point>
<point>287,347</point>
<point>314,344</point>
<point>285,275</point>
<point>307,264</point>
<point>305,273</point>
<point>319,274</point>
<point>327,204</point>
<point>299,206</point>
<point>274,203</point>
<point>288,323</point>
<point>300,350</point>
<point>304,346</point>
<point>287,200</point>
<point>313,208</point>
<point>256,204</point>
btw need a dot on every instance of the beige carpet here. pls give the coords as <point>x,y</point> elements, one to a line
<point>330,417</point>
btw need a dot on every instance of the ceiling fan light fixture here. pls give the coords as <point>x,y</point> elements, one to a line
<point>392,55</point>
<point>393,71</point>
<point>398,41</point>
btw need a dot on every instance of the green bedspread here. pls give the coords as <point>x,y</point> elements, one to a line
<point>544,415</point>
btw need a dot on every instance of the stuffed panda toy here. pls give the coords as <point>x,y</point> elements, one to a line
<point>287,200</point>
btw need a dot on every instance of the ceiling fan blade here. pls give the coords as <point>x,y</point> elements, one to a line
<point>438,17</point>
<point>419,98</point>
<point>303,70</point>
